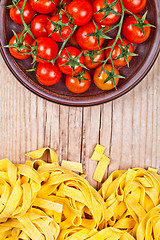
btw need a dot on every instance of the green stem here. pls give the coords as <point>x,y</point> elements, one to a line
<point>26,28</point>
<point>65,41</point>
<point>130,13</point>
<point>60,51</point>
<point>119,25</point>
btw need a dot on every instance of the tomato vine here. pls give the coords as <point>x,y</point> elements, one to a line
<point>99,33</point>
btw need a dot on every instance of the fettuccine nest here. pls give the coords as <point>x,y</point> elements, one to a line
<point>43,201</point>
<point>129,196</point>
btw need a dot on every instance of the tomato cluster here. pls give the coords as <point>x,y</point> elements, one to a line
<point>84,25</point>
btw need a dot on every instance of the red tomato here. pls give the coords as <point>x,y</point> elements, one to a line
<point>28,13</point>
<point>46,48</point>
<point>76,85</point>
<point>65,31</point>
<point>43,6</point>
<point>39,26</point>
<point>48,74</point>
<point>109,18</point>
<point>135,6</point>
<point>14,52</point>
<point>132,33</point>
<point>67,69</point>
<point>73,40</point>
<point>96,57</point>
<point>61,5</point>
<point>88,42</point>
<point>91,2</point>
<point>99,79</point>
<point>81,11</point>
<point>117,51</point>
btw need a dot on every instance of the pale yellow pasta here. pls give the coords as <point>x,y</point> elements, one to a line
<point>129,196</point>
<point>73,166</point>
<point>111,234</point>
<point>101,168</point>
<point>96,156</point>
<point>37,154</point>
<point>82,205</point>
<point>33,225</point>
<point>19,186</point>
<point>46,201</point>
<point>76,233</point>
<point>149,228</point>
<point>98,153</point>
<point>99,148</point>
<point>86,234</point>
<point>152,170</point>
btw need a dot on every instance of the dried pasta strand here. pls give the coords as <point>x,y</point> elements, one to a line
<point>37,154</point>
<point>99,148</point>
<point>72,166</point>
<point>98,152</point>
<point>152,170</point>
<point>86,234</point>
<point>96,156</point>
<point>101,168</point>
<point>43,203</point>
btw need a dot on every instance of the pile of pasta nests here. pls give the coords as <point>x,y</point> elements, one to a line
<point>46,201</point>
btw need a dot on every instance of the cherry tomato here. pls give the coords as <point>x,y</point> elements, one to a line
<point>48,74</point>
<point>43,6</point>
<point>99,79</point>
<point>61,5</point>
<point>91,2</point>
<point>135,6</point>
<point>81,11</point>
<point>88,42</point>
<point>117,51</point>
<point>133,33</point>
<point>65,31</point>
<point>73,40</point>
<point>67,69</point>
<point>39,26</point>
<point>46,48</point>
<point>14,52</point>
<point>106,27</point>
<point>28,13</point>
<point>96,57</point>
<point>76,85</point>
<point>111,18</point>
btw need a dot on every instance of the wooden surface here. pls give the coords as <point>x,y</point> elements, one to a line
<point>129,127</point>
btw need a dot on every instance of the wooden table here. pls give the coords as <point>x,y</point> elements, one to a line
<point>128,127</point>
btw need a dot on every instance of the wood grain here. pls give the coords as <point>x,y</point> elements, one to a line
<point>129,127</point>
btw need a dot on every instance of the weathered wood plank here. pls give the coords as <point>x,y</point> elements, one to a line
<point>74,134</point>
<point>129,127</point>
<point>91,125</point>
<point>63,132</point>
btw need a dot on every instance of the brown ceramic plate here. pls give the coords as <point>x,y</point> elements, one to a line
<point>139,66</point>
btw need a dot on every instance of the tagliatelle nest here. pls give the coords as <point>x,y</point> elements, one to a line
<point>82,204</point>
<point>37,199</point>
<point>129,196</point>
<point>19,216</point>
<point>149,228</point>
<point>44,201</point>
